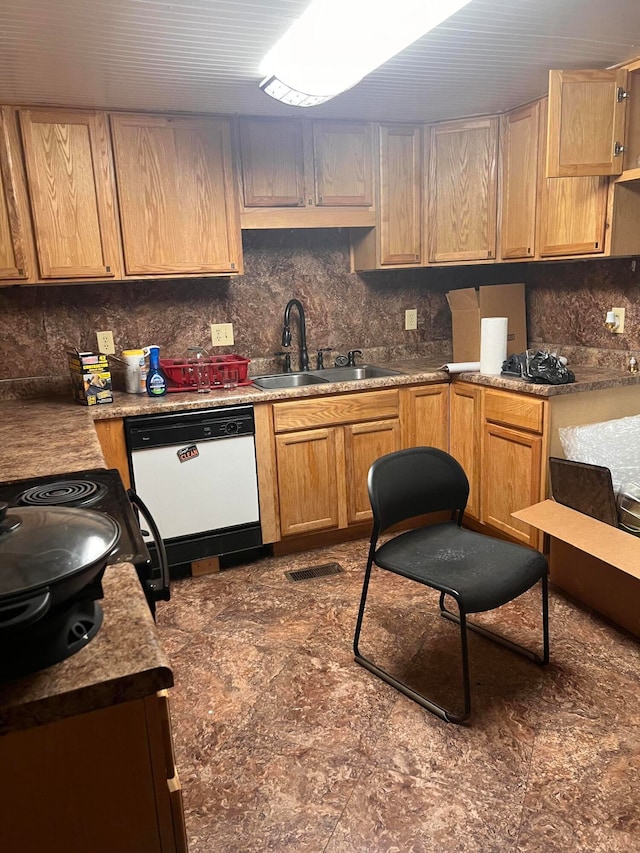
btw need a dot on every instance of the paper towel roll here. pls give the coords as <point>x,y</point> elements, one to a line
<point>493,344</point>
<point>461,367</point>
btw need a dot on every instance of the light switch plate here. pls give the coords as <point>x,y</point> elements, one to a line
<point>105,343</point>
<point>411,319</point>
<point>222,334</point>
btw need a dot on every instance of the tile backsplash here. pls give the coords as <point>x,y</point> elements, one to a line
<point>566,305</point>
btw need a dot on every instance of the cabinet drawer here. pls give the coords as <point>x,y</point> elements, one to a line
<point>329,411</point>
<point>514,410</point>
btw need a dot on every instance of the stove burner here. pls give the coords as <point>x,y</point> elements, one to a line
<point>69,492</point>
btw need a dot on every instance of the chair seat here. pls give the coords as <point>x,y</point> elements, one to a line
<point>482,571</point>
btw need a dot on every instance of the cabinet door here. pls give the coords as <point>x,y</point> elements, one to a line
<point>70,184</point>
<point>342,156</point>
<point>463,190</point>
<point>464,439</point>
<point>520,138</point>
<point>176,193</point>
<point>272,163</point>
<point>400,222</point>
<point>572,216</point>
<point>311,480</point>
<point>424,414</point>
<point>15,255</point>
<point>511,477</point>
<point>364,443</point>
<point>586,123</point>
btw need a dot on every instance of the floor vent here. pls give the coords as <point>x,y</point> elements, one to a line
<point>315,572</point>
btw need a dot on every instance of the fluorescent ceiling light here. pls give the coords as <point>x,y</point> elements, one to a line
<point>335,43</point>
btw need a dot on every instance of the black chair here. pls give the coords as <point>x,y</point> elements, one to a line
<point>477,571</point>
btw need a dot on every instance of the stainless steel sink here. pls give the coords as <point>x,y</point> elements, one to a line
<point>352,374</point>
<point>317,377</point>
<point>287,380</point>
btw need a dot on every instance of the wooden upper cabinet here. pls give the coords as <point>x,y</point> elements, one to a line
<point>15,247</point>
<point>463,190</point>
<point>343,164</point>
<point>571,213</point>
<point>70,184</point>
<point>176,192</point>
<point>520,150</point>
<point>401,179</point>
<point>586,130</point>
<point>272,162</point>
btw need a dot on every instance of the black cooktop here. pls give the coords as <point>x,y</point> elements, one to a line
<point>99,489</point>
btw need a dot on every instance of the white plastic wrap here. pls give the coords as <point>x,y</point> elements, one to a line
<point>614,444</point>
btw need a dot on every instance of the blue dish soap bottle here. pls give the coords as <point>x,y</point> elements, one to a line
<point>156,379</point>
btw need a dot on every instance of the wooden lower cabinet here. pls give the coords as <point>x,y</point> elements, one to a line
<point>311,488</point>
<point>364,443</point>
<point>464,439</point>
<point>113,444</point>
<point>325,446</point>
<point>322,474</point>
<point>424,416</point>
<point>511,479</point>
<point>100,781</point>
<point>500,439</point>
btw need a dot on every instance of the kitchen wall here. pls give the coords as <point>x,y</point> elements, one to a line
<point>566,304</point>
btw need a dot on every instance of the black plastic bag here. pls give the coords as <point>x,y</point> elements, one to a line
<point>540,367</point>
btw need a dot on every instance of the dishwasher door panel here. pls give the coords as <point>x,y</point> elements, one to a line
<point>211,491</point>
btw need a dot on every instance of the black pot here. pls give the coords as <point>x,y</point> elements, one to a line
<point>51,563</point>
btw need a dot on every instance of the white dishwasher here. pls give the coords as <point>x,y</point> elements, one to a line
<point>196,472</point>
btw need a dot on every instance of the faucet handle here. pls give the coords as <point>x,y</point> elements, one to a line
<point>320,357</point>
<point>287,361</point>
<point>352,356</point>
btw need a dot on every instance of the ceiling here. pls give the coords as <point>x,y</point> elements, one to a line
<point>203,56</point>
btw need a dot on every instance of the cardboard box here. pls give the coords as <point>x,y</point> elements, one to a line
<point>594,562</point>
<point>469,305</point>
<point>90,377</point>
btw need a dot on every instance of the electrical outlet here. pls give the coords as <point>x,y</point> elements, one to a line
<point>222,334</point>
<point>411,319</point>
<point>619,312</point>
<point>105,343</point>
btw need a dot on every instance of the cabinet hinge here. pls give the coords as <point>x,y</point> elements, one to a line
<point>621,94</point>
<point>618,149</point>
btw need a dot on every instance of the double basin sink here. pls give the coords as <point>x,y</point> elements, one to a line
<point>319,377</point>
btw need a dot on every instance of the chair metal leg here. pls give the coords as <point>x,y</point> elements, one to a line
<point>504,641</point>
<point>428,704</point>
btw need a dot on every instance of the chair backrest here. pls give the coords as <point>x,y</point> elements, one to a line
<point>412,482</point>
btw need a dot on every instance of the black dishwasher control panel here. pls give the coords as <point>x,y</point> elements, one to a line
<point>188,427</point>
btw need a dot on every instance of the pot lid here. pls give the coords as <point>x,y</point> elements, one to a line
<point>40,546</point>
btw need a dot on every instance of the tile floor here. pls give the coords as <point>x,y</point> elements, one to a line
<point>283,743</point>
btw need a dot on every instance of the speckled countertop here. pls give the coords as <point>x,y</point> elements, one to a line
<point>54,436</point>
<point>122,662</point>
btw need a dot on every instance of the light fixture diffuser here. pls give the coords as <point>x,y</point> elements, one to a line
<point>335,43</point>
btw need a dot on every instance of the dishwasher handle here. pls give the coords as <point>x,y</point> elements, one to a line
<point>155,591</point>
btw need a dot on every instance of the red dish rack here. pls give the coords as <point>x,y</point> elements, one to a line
<point>180,376</point>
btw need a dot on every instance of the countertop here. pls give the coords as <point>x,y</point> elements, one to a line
<point>56,436</point>
<point>123,662</point>
<point>413,372</point>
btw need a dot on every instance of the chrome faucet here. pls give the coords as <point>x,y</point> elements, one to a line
<point>286,332</point>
